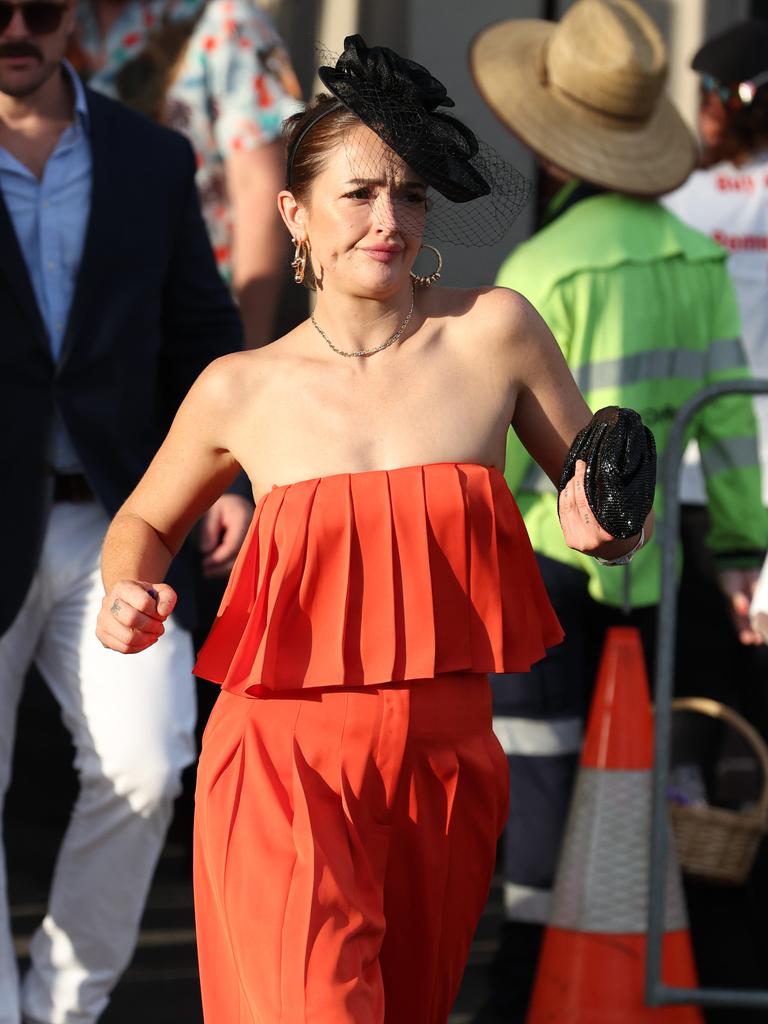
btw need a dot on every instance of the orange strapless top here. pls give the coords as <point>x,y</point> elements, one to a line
<point>365,578</point>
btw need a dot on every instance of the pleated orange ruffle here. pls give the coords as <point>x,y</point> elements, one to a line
<point>388,575</point>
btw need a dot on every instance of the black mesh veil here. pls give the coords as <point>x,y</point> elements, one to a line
<point>474,194</point>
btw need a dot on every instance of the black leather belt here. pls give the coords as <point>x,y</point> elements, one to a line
<point>71,487</point>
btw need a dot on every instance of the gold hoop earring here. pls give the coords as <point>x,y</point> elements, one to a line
<point>425,280</point>
<point>299,261</point>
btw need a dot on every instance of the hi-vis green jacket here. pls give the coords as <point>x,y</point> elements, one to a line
<point>644,311</point>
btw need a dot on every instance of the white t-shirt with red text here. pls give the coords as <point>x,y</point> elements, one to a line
<point>730,204</point>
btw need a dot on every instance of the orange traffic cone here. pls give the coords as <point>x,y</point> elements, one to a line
<point>592,963</point>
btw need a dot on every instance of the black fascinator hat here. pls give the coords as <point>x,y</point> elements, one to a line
<point>479,194</point>
<point>398,99</point>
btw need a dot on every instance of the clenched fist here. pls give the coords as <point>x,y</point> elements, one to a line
<point>581,530</point>
<point>132,615</point>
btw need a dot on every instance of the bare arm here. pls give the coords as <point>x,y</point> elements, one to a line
<point>191,469</point>
<point>549,412</point>
<point>260,250</point>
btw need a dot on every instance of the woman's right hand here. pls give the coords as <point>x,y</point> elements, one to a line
<point>581,530</point>
<point>132,615</point>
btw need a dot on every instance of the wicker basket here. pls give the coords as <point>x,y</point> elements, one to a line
<point>712,842</point>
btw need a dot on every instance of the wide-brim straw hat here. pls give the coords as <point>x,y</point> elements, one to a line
<point>586,93</point>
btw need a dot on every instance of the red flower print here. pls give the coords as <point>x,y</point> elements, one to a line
<point>131,39</point>
<point>262,91</point>
<point>221,252</point>
<point>210,43</point>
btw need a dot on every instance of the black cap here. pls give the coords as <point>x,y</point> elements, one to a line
<point>735,55</point>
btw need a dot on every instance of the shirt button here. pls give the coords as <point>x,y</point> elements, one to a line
<point>46,204</point>
<point>52,264</point>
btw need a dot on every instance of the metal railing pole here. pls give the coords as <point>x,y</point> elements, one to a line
<point>656,992</point>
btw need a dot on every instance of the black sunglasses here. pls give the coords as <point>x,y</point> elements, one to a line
<point>736,94</point>
<point>40,16</point>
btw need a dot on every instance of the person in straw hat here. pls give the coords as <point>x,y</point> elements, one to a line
<point>645,314</point>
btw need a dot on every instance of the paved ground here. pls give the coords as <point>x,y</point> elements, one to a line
<point>160,987</point>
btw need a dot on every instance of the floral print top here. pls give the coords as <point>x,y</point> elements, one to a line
<point>221,75</point>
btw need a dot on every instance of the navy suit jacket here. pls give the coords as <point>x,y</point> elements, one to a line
<point>149,312</point>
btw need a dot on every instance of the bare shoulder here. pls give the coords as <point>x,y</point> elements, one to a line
<point>229,378</point>
<point>498,307</point>
<point>493,316</point>
<point>222,381</point>
<point>504,311</point>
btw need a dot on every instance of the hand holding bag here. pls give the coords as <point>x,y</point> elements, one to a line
<point>620,478</point>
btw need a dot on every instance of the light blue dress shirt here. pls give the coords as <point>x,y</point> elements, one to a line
<point>50,216</point>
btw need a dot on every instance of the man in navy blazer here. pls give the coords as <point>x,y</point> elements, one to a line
<point>110,305</point>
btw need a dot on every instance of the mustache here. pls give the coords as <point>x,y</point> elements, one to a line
<point>20,49</point>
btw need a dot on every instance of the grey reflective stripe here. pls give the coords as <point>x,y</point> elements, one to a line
<point>536,480</point>
<point>602,879</point>
<point>730,453</point>
<point>524,903</point>
<point>721,356</point>
<point>532,737</point>
<point>727,354</point>
<point>661,364</point>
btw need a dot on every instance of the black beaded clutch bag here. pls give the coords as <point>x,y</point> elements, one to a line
<point>620,478</point>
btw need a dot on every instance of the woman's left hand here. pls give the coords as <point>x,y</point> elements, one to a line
<point>582,531</point>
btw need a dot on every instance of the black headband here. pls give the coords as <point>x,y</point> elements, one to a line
<point>317,116</point>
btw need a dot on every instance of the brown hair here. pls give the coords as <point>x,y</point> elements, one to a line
<point>746,132</point>
<point>326,134</point>
<point>749,125</point>
<point>312,150</point>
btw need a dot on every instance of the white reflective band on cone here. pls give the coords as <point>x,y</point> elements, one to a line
<point>602,878</point>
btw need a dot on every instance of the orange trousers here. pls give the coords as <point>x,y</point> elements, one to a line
<point>345,842</point>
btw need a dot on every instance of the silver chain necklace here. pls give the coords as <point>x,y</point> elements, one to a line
<point>365,352</point>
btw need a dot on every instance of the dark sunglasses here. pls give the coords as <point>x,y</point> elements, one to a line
<point>739,94</point>
<point>40,16</point>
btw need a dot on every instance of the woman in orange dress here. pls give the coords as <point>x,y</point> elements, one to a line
<point>350,788</point>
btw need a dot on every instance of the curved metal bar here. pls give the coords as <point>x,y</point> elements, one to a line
<point>656,992</point>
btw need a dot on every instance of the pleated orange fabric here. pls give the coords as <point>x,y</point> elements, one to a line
<point>350,789</point>
<point>365,578</point>
<point>345,841</point>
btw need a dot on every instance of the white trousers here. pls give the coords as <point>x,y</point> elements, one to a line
<point>132,719</point>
